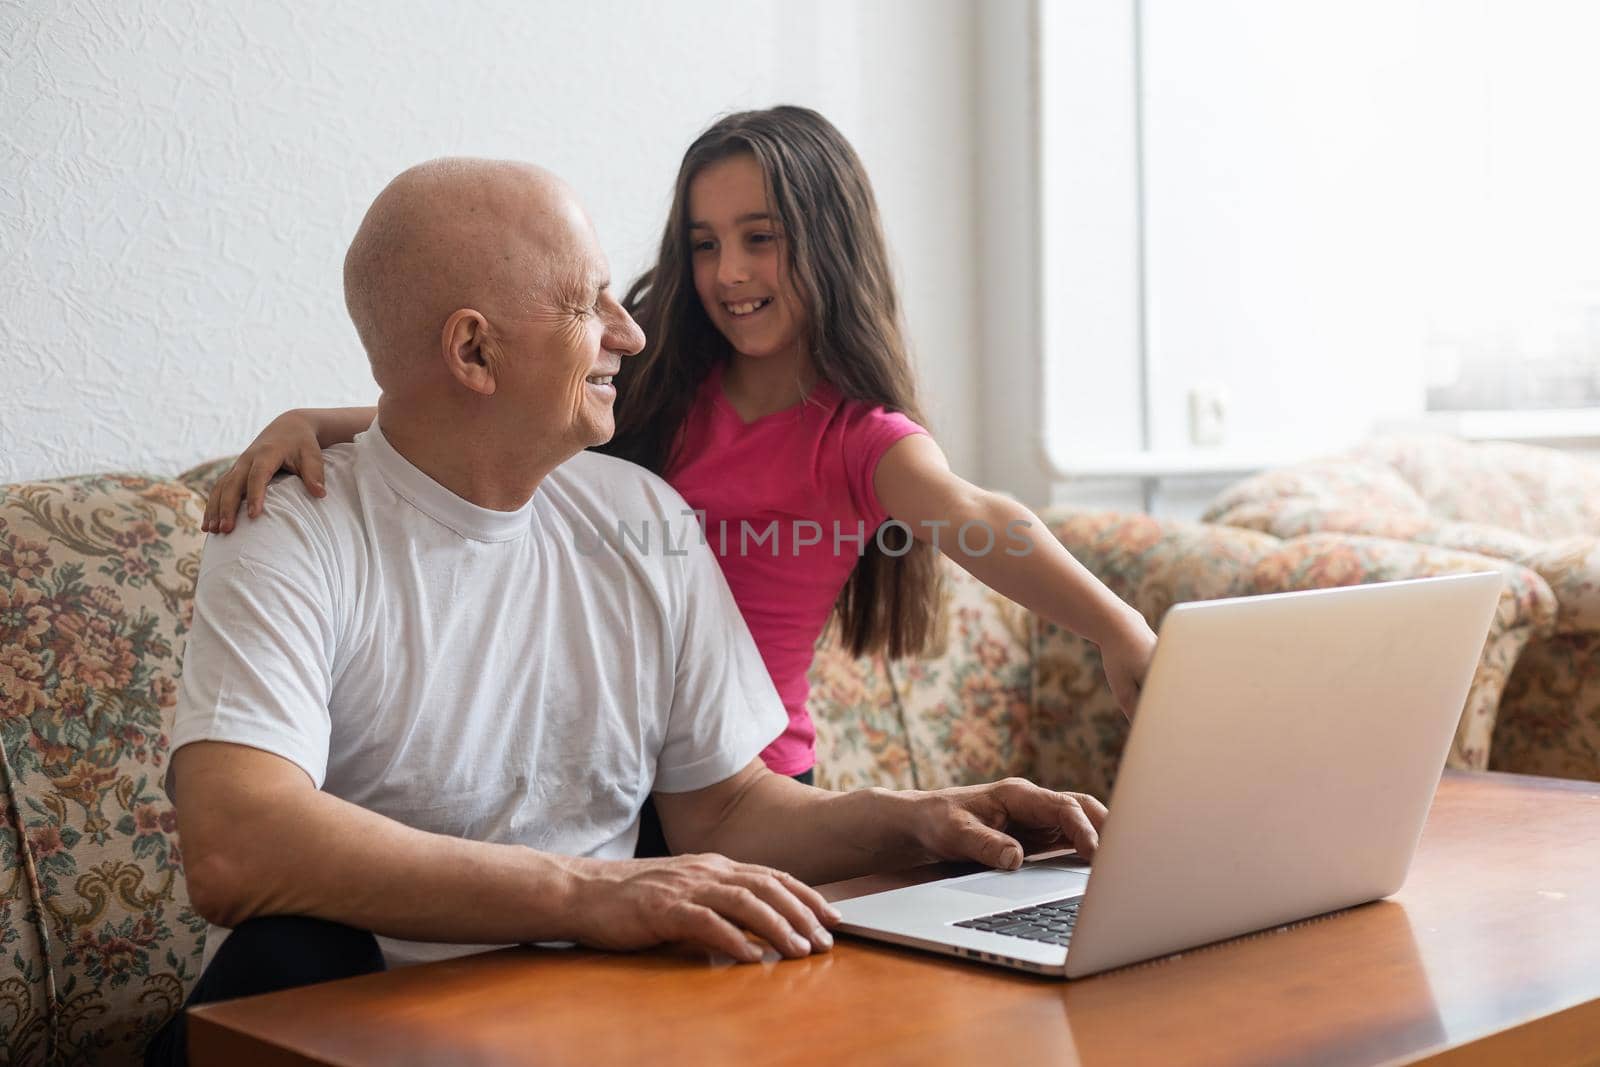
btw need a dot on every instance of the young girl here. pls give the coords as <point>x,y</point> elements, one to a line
<point>776,395</point>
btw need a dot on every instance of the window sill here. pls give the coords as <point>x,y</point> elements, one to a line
<point>1195,464</point>
<point>1569,427</point>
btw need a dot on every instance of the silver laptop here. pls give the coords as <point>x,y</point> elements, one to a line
<point>1281,765</point>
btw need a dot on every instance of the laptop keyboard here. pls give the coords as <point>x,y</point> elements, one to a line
<point>1050,922</point>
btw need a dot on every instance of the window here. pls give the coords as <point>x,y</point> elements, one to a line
<point>1511,92</point>
<point>1339,214</point>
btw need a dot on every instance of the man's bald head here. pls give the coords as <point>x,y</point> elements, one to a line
<point>450,234</point>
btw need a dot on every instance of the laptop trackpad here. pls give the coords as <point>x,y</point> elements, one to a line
<point>1028,882</point>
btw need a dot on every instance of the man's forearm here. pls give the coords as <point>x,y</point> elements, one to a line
<point>275,850</point>
<point>814,834</point>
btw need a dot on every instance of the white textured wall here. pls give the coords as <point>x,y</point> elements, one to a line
<point>178,181</point>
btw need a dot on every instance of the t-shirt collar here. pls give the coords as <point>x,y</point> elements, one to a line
<point>434,500</point>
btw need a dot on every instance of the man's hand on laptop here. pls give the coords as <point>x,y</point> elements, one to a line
<point>999,823</point>
<point>702,900</point>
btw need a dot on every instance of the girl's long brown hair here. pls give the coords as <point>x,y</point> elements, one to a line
<point>840,265</point>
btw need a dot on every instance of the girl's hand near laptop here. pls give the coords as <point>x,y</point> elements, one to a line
<point>1125,655</point>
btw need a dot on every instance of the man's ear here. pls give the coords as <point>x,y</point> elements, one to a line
<point>468,352</point>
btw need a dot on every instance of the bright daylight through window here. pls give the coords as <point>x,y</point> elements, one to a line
<point>1356,210</point>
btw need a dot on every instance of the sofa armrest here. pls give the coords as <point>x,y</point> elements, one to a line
<point>1571,567</point>
<point>97,581</point>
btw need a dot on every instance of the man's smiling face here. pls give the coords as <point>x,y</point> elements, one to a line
<point>560,350</point>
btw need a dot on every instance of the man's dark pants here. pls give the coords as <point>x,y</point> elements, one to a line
<point>263,956</point>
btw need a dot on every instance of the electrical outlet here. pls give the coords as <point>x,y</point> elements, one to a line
<point>1208,415</point>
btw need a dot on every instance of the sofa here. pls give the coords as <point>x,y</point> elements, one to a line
<point>1536,507</point>
<point>98,941</point>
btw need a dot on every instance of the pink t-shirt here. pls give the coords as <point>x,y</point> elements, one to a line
<point>784,500</point>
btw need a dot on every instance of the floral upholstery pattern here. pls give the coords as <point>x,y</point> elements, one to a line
<point>96,580</point>
<point>24,1003</point>
<point>1550,717</point>
<point>1537,491</point>
<point>955,716</point>
<point>967,700</point>
<point>1532,506</point>
<point>1322,496</point>
<point>861,731</point>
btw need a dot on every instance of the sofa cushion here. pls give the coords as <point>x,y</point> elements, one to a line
<point>1339,495</point>
<point>1533,506</point>
<point>96,581</point>
<point>1541,492</point>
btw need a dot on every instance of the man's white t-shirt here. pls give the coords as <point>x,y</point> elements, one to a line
<point>523,677</point>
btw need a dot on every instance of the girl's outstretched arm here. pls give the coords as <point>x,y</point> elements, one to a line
<point>1008,548</point>
<point>293,442</point>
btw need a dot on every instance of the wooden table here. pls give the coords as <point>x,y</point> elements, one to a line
<point>1489,955</point>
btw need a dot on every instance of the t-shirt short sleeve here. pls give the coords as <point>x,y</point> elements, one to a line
<point>258,664</point>
<point>724,708</point>
<point>869,433</point>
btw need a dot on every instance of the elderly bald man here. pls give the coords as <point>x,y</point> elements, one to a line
<point>418,717</point>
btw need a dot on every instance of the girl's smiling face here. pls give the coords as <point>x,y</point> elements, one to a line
<point>741,263</point>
